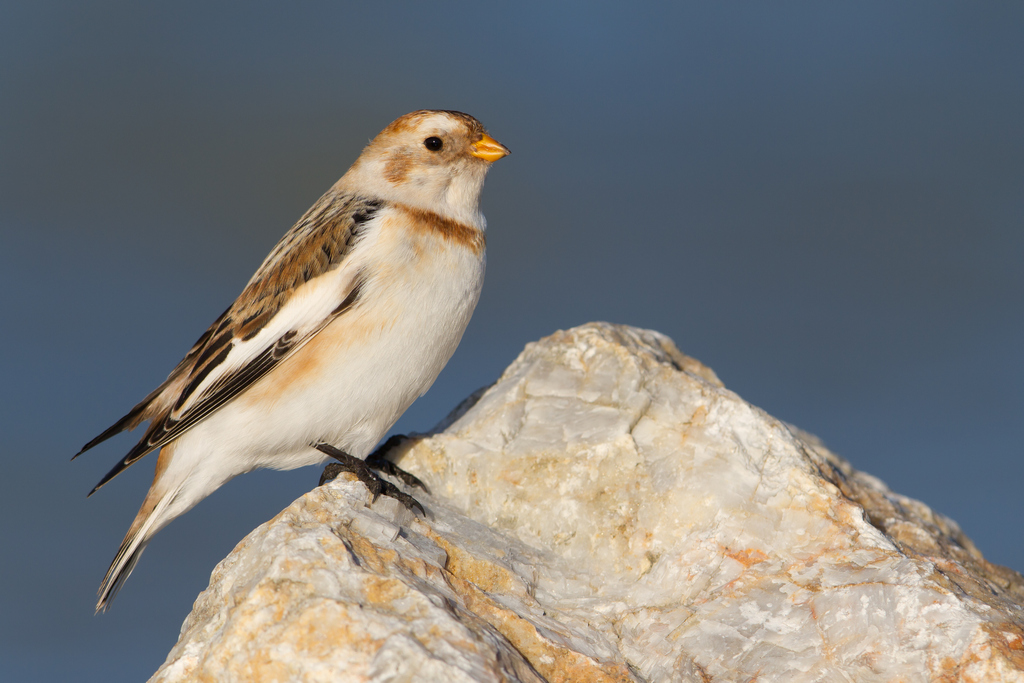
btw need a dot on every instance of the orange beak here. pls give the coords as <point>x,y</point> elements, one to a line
<point>489,149</point>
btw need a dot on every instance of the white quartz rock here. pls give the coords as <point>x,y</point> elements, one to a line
<point>608,511</point>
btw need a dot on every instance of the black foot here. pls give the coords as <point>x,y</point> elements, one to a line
<point>379,462</point>
<point>363,472</point>
<point>331,472</point>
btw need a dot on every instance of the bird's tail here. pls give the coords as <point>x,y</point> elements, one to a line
<point>151,518</point>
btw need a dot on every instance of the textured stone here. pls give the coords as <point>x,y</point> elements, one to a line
<point>608,511</point>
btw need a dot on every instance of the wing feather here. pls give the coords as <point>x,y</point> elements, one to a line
<point>250,338</point>
<point>156,401</point>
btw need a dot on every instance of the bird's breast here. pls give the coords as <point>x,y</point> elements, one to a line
<point>419,287</point>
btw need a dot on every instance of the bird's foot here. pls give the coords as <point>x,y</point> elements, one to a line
<point>365,474</point>
<point>378,461</point>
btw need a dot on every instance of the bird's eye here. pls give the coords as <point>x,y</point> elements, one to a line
<point>433,144</point>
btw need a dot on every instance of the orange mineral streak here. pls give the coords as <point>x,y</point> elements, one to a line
<point>555,662</point>
<point>748,557</point>
<point>475,579</point>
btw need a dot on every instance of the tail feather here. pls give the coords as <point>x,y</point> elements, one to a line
<point>147,523</point>
<point>120,569</point>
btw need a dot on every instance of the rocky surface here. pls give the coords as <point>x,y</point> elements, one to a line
<point>608,511</point>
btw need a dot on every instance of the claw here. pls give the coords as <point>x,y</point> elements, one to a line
<point>364,472</point>
<point>378,461</point>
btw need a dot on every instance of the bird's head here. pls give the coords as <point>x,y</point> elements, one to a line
<point>432,160</point>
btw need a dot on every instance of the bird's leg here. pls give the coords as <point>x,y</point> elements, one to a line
<point>376,485</point>
<point>379,462</point>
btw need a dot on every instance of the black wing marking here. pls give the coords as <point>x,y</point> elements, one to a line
<point>143,410</point>
<point>225,389</point>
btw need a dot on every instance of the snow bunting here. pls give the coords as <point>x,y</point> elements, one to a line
<point>348,320</point>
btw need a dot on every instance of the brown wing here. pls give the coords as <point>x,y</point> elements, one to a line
<point>318,243</point>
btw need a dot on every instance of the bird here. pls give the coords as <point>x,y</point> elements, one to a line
<point>349,319</point>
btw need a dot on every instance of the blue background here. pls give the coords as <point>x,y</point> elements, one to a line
<point>823,202</point>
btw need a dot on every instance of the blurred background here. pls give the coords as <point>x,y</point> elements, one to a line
<point>823,202</point>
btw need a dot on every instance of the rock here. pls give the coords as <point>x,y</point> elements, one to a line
<point>608,511</point>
